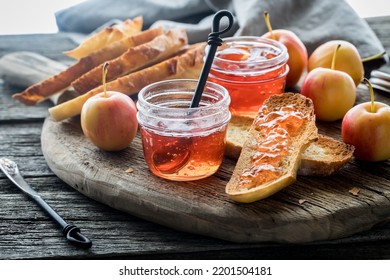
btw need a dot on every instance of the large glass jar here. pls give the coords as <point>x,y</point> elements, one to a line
<point>251,69</point>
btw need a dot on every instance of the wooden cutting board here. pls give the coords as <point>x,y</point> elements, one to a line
<point>313,208</point>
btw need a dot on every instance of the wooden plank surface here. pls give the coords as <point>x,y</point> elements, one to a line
<point>202,206</point>
<point>114,233</point>
<point>330,211</point>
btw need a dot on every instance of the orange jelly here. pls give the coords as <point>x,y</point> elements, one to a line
<point>251,69</point>
<point>275,130</point>
<point>183,158</point>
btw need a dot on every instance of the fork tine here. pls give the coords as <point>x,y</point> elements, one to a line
<point>380,75</point>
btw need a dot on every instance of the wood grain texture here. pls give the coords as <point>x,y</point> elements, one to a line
<point>329,210</point>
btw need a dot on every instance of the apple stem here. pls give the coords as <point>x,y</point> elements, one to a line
<point>268,23</point>
<point>367,82</point>
<point>105,66</point>
<point>375,56</point>
<point>334,57</point>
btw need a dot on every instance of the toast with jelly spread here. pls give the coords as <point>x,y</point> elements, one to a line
<point>323,157</point>
<point>271,154</point>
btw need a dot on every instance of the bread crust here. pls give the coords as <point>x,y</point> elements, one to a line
<point>134,58</point>
<point>187,64</point>
<point>106,36</point>
<point>41,91</point>
<point>306,133</point>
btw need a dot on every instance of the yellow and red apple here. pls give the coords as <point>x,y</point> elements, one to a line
<point>367,127</point>
<point>298,57</point>
<point>109,120</point>
<point>333,92</point>
<point>348,59</point>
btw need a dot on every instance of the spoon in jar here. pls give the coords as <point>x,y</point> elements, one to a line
<point>172,158</point>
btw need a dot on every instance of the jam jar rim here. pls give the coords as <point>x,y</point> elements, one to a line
<point>148,110</point>
<point>186,111</point>
<point>256,67</point>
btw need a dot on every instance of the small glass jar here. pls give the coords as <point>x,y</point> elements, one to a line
<point>182,143</point>
<point>251,69</point>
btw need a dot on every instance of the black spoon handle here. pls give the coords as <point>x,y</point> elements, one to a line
<point>71,232</point>
<point>214,41</point>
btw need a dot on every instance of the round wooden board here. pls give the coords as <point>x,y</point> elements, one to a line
<point>311,209</point>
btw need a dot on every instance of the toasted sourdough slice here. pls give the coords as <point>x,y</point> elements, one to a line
<point>323,157</point>
<point>237,132</point>
<point>106,36</point>
<point>135,58</point>
<point>41,91</point>
<point>270,157</point>
<point>186,65</point>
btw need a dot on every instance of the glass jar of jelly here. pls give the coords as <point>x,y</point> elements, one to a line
<point>182,143</point>
<point>251,69</point>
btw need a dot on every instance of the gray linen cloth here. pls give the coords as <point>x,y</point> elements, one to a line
<point>314,21</point>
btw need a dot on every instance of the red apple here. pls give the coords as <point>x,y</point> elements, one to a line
<point>333,92</point>
<point>348,59</point>
<point>367,127</point>
<point>298,57</point>
<point>109,120</point>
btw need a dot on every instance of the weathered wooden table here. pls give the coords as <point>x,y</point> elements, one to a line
<point>27,233</point>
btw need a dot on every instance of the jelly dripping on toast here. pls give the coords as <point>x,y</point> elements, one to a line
<point>275,131</point>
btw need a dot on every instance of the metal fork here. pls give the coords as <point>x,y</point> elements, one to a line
<point>380,80</point>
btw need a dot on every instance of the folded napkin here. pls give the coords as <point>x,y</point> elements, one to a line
<point>314,21</point>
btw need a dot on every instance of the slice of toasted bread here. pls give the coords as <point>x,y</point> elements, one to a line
<point>270,157</point>
<point>57,83</point>
<point>135,58</point>
<point>237,132</point>
<point>323,157</point>
<point>187,64</point>
<point>105,37</point>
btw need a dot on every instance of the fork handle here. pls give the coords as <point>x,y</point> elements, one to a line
<point>73,235</point>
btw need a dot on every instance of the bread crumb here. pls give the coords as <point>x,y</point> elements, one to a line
<point>301,201</point>
<point>355,191</point>
<point>129,170</point>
